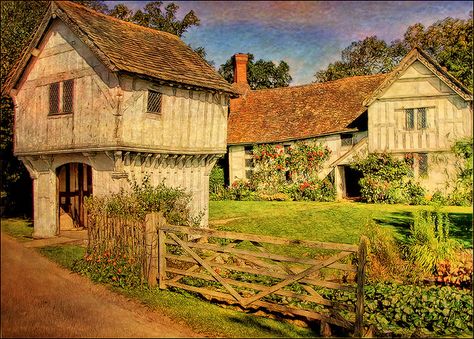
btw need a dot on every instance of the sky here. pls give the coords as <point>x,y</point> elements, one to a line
<point>308,35</point>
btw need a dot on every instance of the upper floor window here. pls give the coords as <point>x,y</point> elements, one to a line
<point>346,140</point>
<point>419,119</point>
<point>154,102</point>
<point>61,97</point>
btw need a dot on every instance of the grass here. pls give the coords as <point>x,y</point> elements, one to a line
<point>336,222</point>
<point>332,221</point>
<point>19,228</point>
<point>64,255</point>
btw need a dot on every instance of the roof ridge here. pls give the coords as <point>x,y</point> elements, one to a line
<point>313,84</point>
<point>108,17</point>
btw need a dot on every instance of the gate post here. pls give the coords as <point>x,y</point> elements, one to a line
<point>151,243</point>
<point>161,252</point>
<point>361,260</point>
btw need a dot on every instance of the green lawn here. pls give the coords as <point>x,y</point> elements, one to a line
<point>330,221</point>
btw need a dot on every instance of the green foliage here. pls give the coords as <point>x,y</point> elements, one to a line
<point>387,180</point>
<point>305,160</point>
<point>364,57</point>
<point>64,255</point>
<point>216,179</point>
<point>242,190</point>
<point>143,198</point>
<point>407,309</point>
<point>449,41</point>
<point>385,259</point>
<point>114,268</point>
<point>293,171</point>
<point>428,242</point>
<point>461,190</point>
<point>260,74</point>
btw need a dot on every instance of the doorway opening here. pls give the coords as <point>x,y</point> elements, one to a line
<point>74,184</point>
<point>351,179</point>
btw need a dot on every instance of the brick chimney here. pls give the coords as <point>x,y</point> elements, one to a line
<point>240,73</point>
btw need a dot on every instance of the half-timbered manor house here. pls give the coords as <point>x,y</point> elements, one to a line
<point>99,101</point>
<point>418,109</point>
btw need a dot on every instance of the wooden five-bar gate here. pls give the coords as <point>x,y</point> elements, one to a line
<point>255,271</point>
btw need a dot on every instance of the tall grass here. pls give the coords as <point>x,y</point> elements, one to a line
<point>428,242</point>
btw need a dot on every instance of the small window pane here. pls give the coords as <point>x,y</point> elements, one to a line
<point>54,98</point>
<point>68,96</point>
<point>423,164</point>
<point>248,163</point>
<point>410,118</point>
<point>154,102</point>
<point>346,139</point>
<point>422,118</point>
<point>248,150</point>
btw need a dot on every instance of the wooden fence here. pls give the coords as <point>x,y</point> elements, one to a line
<point>255,271</point>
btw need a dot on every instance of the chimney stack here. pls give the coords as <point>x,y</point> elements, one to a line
<point>240,68</point>
<point>240,73</point>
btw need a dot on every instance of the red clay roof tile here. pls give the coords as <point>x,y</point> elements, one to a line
<point>299,112</point>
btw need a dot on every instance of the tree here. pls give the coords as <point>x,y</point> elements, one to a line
<point>364,57</point>
<point>154,17</point>
<point>97,5</point>
<point>260,74</point>
<point>19,19</point>
<point>448,41</point>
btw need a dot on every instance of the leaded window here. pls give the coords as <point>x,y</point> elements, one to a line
<point>54,98</point>
<point>68,96</point>
<point>421,118</point>
<point>410,118</point>
<point>423,164</point>
<point>154,102</point>
<point>346,140</point>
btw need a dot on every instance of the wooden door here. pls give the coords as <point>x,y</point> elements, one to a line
<point>75,183</point>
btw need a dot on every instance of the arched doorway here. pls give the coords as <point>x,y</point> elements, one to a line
<point>74,184</point>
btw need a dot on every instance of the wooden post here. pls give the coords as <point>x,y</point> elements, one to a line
<point>161,252</point>
<point>362,259</point>
<point>151,243</point>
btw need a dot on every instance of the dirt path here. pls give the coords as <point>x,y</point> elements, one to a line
<point>41,299</point>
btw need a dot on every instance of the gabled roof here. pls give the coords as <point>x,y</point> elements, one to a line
<point>127,47</point>
<point>420,55</point>
<point>299,112</point>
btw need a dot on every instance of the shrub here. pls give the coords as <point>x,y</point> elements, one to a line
<point>428,242</point>
<point>216,180</point>
<point>242,190</point>
<point>117,230</point>
<point>114,268</point>
<point>462,186</point>
<point>456,272</point>
<point>387,180</point>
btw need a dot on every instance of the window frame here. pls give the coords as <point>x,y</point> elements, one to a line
<point>423,164</point>
<point>160,102</point>
<point>416,118</point>
<point>61,98</point>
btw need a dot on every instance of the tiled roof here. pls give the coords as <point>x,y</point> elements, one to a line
<point>127,47</point>
<point>299,112</point>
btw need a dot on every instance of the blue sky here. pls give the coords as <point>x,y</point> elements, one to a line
<point>307,34</point>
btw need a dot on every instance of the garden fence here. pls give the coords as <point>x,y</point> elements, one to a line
<point>290,277</point>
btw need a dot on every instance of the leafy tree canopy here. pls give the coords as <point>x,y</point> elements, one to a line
<point>448,41</point>
<point>261,73</point>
